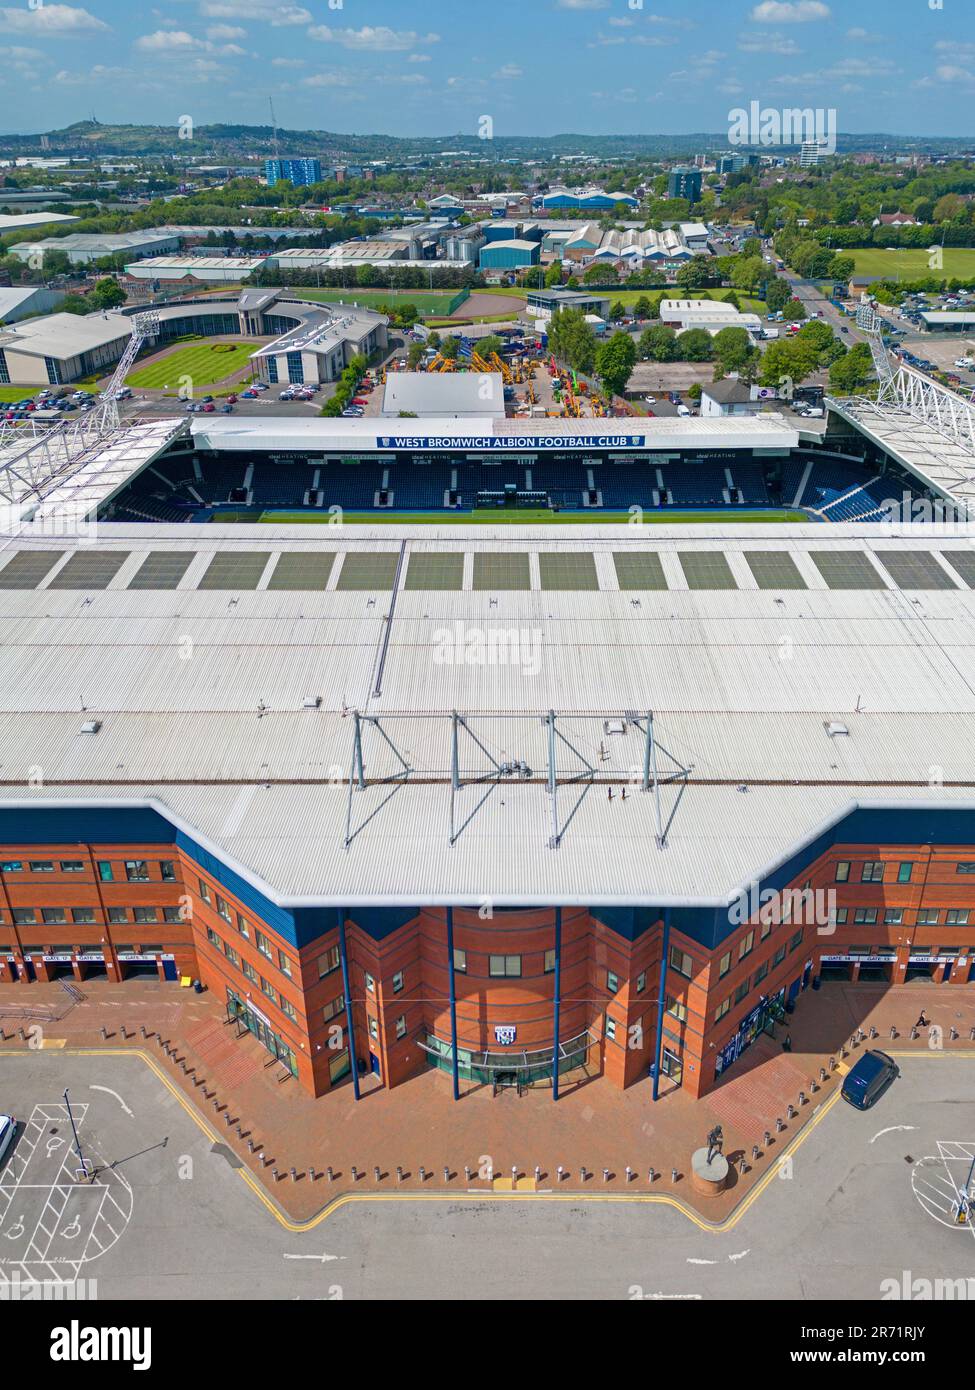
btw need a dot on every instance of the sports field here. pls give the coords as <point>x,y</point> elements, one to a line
<point>909,264</point>
<point>203,362</point>
<point>491,517</point>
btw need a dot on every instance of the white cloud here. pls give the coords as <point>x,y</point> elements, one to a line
<point>333,78</point>
<point>643,40</point>
<point>418,58</point>
<point>169,41</point>
<point>508,71</point>
<point>218,32</point>
<point>278,16</point>
<point>957,50</point>
<point>582,4</point>
<point>287,62</point>
<point>789,11</point>
<point>50,20</point>
<point>768,43</point>
<point>379,39</point>
<point>730,87</point>
<point>98,73</point>
<point>858,35</point>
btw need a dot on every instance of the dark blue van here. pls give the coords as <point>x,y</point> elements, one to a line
<point>866,1082</point>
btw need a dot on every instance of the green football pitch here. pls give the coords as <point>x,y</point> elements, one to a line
<point>203,363</point>
<point>491,517</point>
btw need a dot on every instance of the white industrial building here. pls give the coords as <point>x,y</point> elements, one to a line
<point>62,347</point>
<point>435,395</point>
<point>712,314</point>
<point>213,269</point>
<point>82,248</point>
<point>22,302</point>
<point>29,221</point>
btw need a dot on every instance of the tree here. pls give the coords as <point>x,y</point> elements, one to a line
<point>697,273</point>
<point>695,345</point>
<point>600,275</point>
<point>107,294</point>
<point>450,347</point>
<point>56,263</point>
<point>787,361</point>
<point>492,343</point>
<point>747,273</point>
<point>795,309</point>
<point>643,308</point>
<point>659,344</point>
<point>615,359</point>
<point>618,310</point>
<point>415,356</point>
<point>74,304</point>
<point>853,372</point>
<point>777,295</point>
<point>572,339</point>
<point>732,348</point>
<point>842,267</point>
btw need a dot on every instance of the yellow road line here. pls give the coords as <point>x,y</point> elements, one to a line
<point>348,1198</point>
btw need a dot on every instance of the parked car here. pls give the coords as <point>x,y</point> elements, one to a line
<point>866,1082</point>
<point>227,408</point>
<point>286,395</point>
<point>8,1132</point>
<point>207,400</point>
<point>209,407</point>
<point>231,399</point>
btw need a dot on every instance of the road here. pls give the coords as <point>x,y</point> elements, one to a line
<point>865,1199</point>
<point>813,298</point>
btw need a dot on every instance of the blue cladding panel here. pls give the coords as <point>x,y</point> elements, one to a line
<point>75,825</point>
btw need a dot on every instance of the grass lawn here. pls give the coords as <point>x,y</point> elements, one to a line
<point>10,394</point>
<point>203,362</point>
<point>910,264</point>
<point>426,301</point>
<point>526,517</point>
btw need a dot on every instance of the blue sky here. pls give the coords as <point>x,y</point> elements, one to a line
<point>535,66</point>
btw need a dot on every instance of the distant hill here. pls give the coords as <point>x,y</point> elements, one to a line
<point>91,137</point>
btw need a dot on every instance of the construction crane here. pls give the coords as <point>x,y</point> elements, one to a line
<point>274,132</point>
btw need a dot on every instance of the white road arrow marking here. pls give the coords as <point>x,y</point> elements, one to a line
<point>891,1129</point>
<point>322,1257</point>
<point>110,1092</point>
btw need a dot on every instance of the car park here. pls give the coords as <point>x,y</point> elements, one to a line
<point>226,408</point>
<point>868,1079</point>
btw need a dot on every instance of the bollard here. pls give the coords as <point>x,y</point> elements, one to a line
<point>145,1035</point>
<point>755,1152</point>
<point>229,1118</point>
<point>873,1032</point>
<point>446,1174</point>
<point>952,1033</point>
<point>375,1173</point>
<point>355,1173</point>
<point>582,1174</point>
<point>467,1173</point>
<point>104,1033</point>
<point>673,1175</point>
<point>558,1175</point>
<point>250,1146</point>
<point>240,1131</point>
<point>832,1064</point>
<point>22,1035</point>
<point>650,1175</point>
<point>913,1034</point>
<point>423,1173</point>
<point>822,1073</point>
<point>791,1112</point>
<point>813,1085</point>
<point>802,1098</point>
<point>605,1175</point>
<point>274,1174</point>
<point>893,1031</point>
<point>329,1174</point>
<point>742,1165</point>
<point>538,1172</point>
<point>767,1139</point>
<point>399,1174</point>
<point>294,1174</point>
<point>779,1125</point>
<point>843,1052</point>
<point>629,1173</point>
<point>514,1175</point>
<point>971,1034</point>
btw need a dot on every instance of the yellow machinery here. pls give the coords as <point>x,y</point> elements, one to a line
<point>441,364</point>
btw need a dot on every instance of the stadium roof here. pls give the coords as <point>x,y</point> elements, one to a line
<point>768,431</point>
<point>788,673</point>
<point>444,393</point>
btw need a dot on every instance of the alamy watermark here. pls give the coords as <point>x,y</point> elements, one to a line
<point>807,907</point>
<point>465,645</point>
<point>789,125</point>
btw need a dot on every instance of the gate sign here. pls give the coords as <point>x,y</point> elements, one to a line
<point>505,1033</point>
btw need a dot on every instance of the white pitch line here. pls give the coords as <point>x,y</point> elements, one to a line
<point>891,1129</point>
<point>321,1258</point>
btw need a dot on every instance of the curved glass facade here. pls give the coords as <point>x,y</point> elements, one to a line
<point>527,1067</point>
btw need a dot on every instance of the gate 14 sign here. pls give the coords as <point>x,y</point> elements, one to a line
<point>505,1033</point>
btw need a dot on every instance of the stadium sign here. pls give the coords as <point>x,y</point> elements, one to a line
<point>505,1033</point>
<point>530,441</point>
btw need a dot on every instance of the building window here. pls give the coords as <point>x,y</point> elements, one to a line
<point>231,954</point>
<point>742,989</point>
<point>724,964</point>
<point>172,914</point>
<point>504,965</point>
<point>842,870</point>
<point>840,916</point>
<point>296,370</point>
<point>263,945</point>
<point>722,1009</point>
<point>611,1029</point>
<point>53,915</point>
<point>272,370</point>
<point>401,1026</point>
<point>904,872</point>
<point>247,968</point>
<point>53,374</point>
<point>328,962</point>
<point>641,982</point>
<point>612,982</point>
<point>137,871</point>
<point>747,942</point>
<point>871,871</point>
<point>333,1007</point>
<point>105,871</point>
<point>117,915</point>
<point>927,917</point>
<point>268,989</point>
<point>288,1008</point>
<point>222,908</point>
<point>398,982</point>
<point>968,868</point>
<point>284,964</point>
<point>678,1008</point>
<point>865,916</point>
<point>370,983</point>
<point>213,938</point>
<point>796,940</point>
<point>893,916</point>
<point>204,891</point>
<point>764,930</point>
<point>549,962</point>
<point>681,962</point>
<point>72,866</point>
<point>41,866</point>
<point>373,1029</point>
<point>12,866</point>
<point>168,870</point>
<point>24,916</point>
<point>83,916</point>
<point>460,960</point>
<point>761,971</point>
<point>242,926</point>
<point>779,956</point>
<point>4,369</point>
<point>146,914</point>
<point>957,917</point>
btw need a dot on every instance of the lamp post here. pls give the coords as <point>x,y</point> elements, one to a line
<point>77,1142</point>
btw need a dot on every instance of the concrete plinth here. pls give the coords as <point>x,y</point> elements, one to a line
<point>708,1178</point>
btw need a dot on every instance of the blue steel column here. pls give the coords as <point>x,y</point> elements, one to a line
<point>453,1003</point>
<point>344,955</point>
<point>556,1002</point>
<point>661,1003</point>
